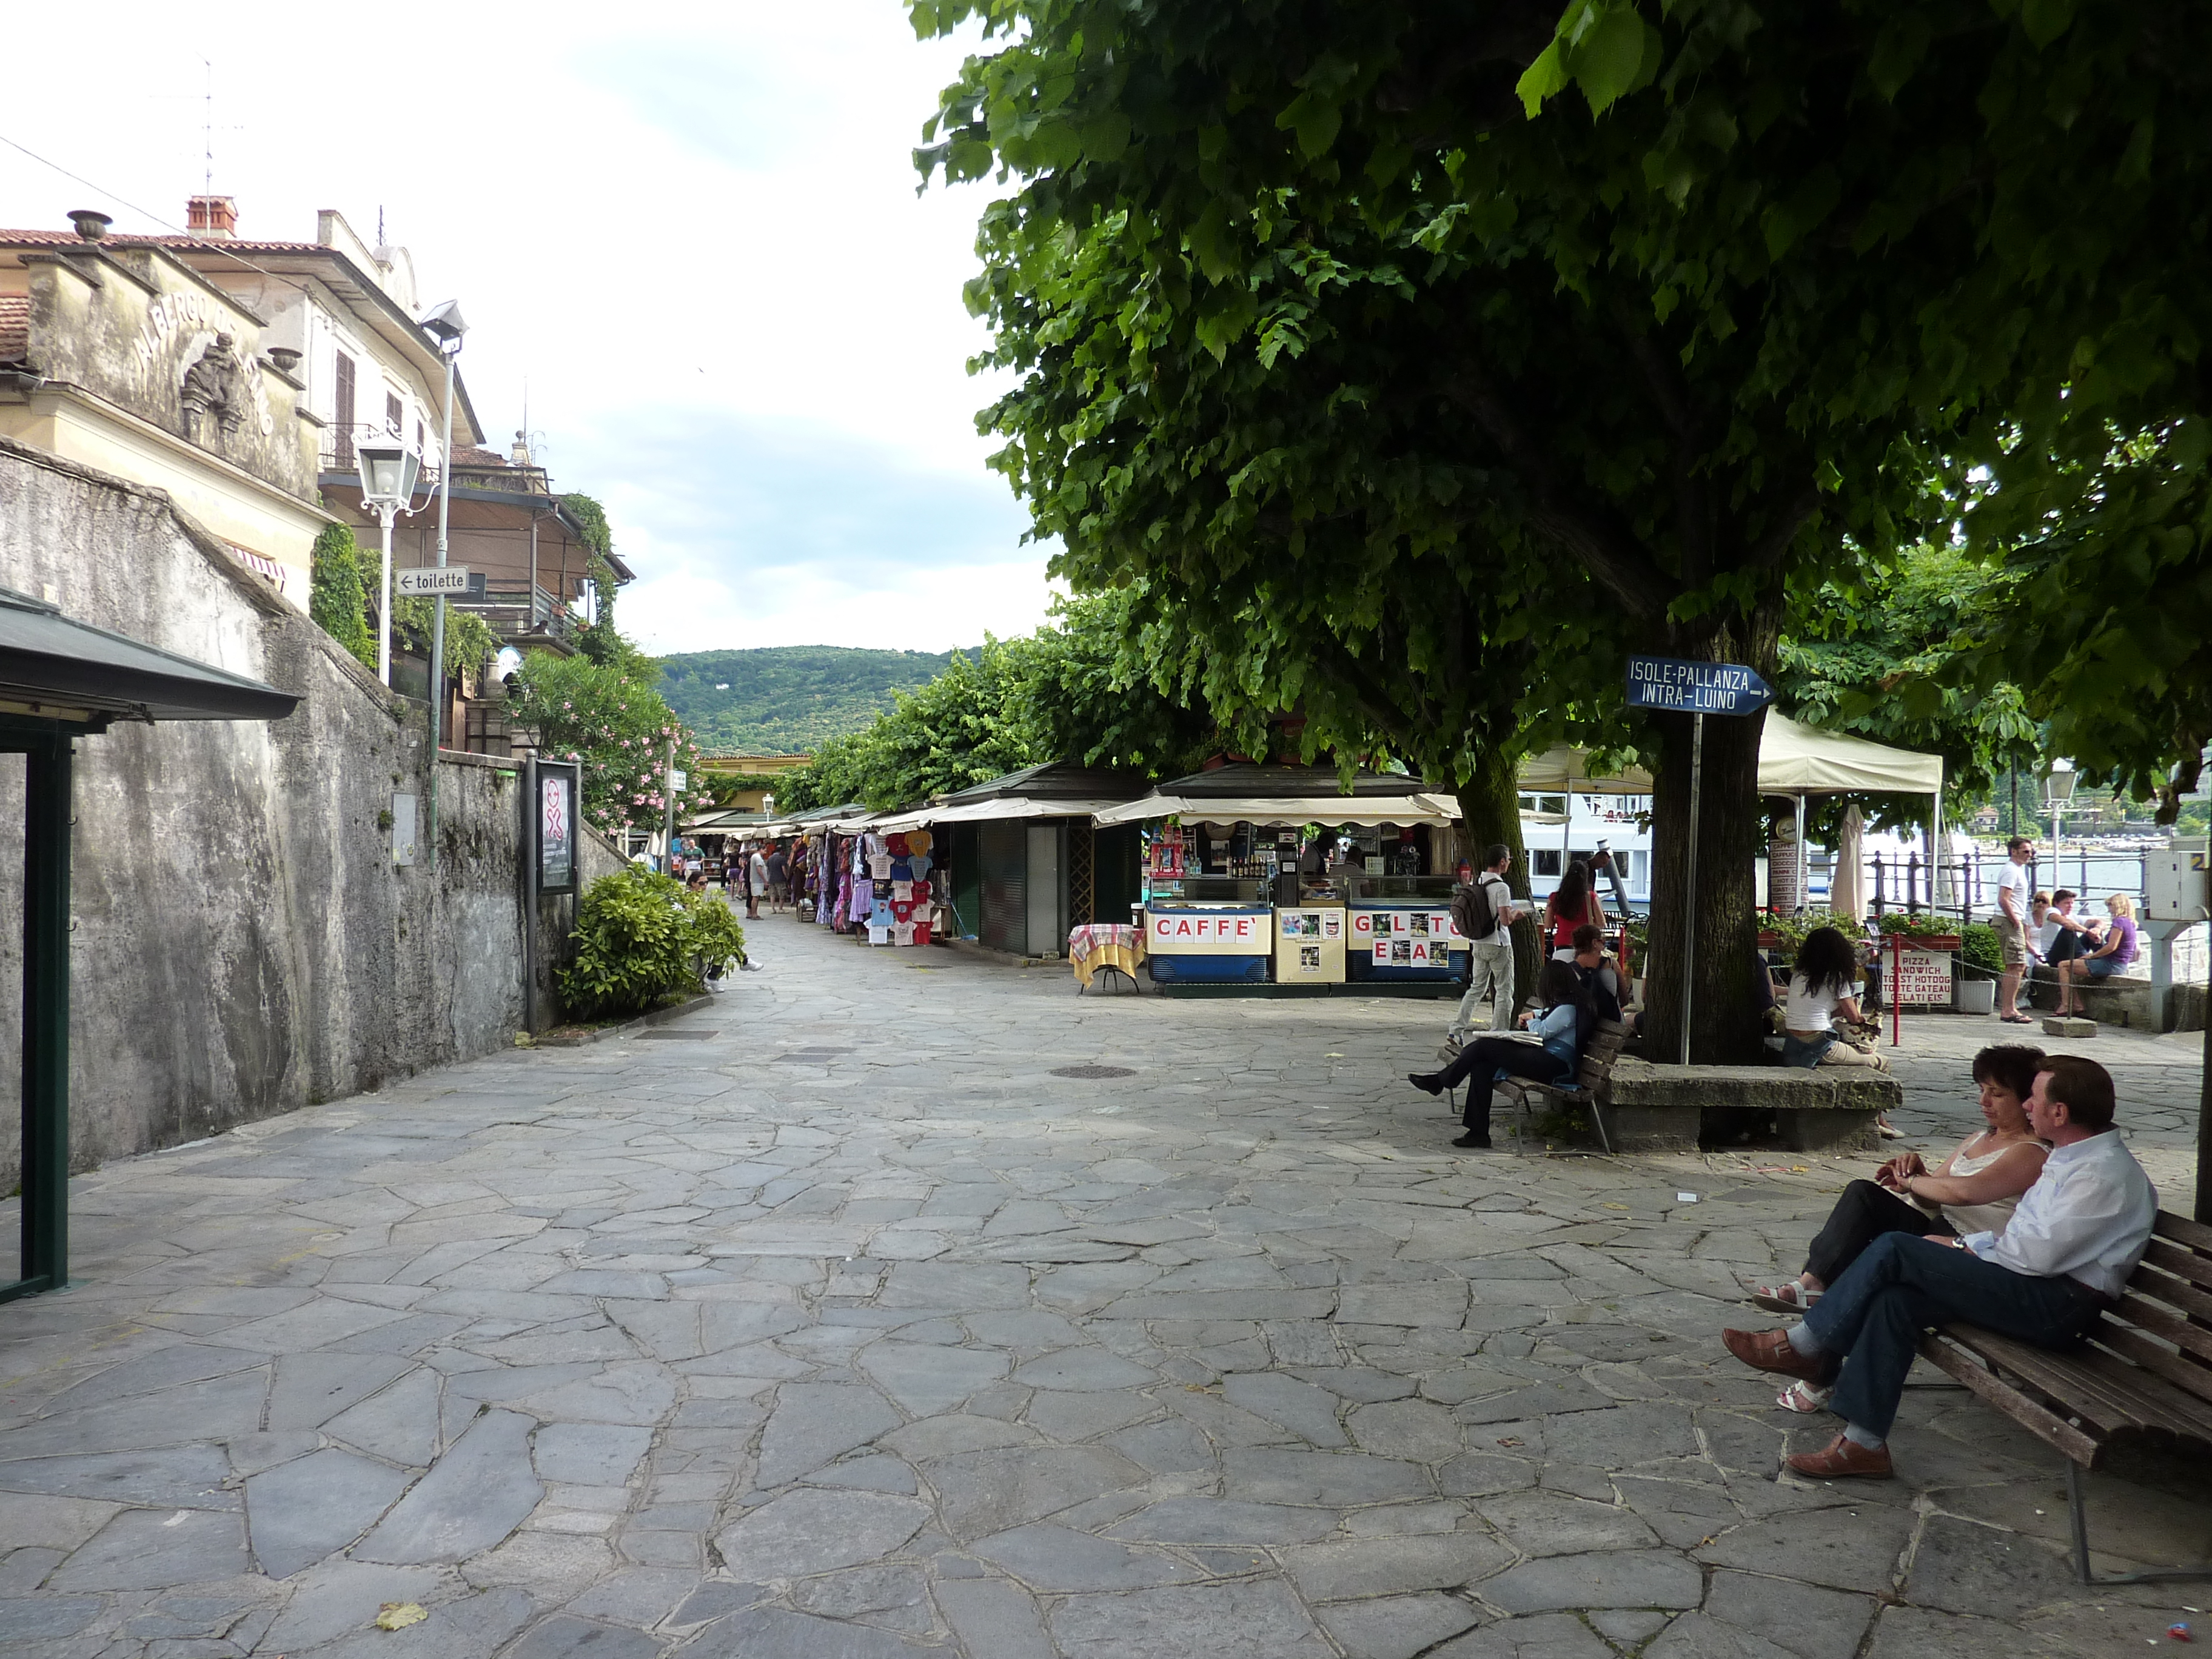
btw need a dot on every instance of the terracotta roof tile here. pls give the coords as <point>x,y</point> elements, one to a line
<point>122,239</point>
<point>14,326</point>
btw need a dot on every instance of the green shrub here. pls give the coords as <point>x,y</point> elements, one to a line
<point>1977,943</point>
<point>641,937</point>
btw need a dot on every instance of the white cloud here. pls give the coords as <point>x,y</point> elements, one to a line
<point>694,236</point>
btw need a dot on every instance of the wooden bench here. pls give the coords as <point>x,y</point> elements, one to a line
<point>1598,1055</point>
<point>2144,1380</point>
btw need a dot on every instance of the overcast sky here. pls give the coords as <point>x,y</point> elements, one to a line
<point>695,235</point>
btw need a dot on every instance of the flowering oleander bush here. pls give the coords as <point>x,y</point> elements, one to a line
<point>609,717</point>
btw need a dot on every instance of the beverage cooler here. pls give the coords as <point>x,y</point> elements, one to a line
<point>1208,943</point>
<point>1310,941</point>
<point>1404,939</point>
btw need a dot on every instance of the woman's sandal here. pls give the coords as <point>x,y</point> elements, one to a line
<point>1804,1398</point>
<point>1789,1296</point>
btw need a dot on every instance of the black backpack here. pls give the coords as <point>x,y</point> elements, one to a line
<point>1471,911</point>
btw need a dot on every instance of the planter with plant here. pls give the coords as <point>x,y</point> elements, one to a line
<point>1920,931</point>
<point>642,939</point>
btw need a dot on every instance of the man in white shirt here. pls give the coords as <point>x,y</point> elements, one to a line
<point>2046,1279</point>
<point>2012,928</point>
<point>1489,958</point>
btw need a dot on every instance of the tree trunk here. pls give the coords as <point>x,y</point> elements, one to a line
<point>1724,1025</point>
<point>1490,812</point>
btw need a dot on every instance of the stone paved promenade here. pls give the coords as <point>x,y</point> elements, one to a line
<point>828,1321</point>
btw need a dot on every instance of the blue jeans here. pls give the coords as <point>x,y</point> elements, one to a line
<point>1875,1314</point>
<point>1805,1052</point>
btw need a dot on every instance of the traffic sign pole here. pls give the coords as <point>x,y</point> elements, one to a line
<point>1680,685</point>
<point>1690,919</point>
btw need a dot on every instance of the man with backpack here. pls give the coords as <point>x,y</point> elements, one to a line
<point>1484,912</point>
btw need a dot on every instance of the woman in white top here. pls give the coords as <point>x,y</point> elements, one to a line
<point>1820,990</point>
<point>1974,1192</point>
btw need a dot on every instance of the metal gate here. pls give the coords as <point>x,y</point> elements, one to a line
<point>1004,855</point>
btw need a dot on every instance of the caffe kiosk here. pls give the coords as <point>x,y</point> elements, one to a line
<point>1281,875</point>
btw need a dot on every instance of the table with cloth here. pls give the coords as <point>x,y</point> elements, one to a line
<point>1102,944</point>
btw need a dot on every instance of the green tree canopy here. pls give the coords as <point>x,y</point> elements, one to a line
<point>1283,280</point>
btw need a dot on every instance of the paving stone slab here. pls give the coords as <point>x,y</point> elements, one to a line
<point>1613,1578</point>
<point>473,1497</point>
<point>300,1511</point>
<point>815,1422</point>
<point>1391,1566</point>
<point>149,1549</point>
<point>1395,1627</point>
<point>812,1531</point>
<point>1238,1621</point>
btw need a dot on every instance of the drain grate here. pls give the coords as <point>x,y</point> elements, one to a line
<point>663,1035</point>
<point>1093,1071</point>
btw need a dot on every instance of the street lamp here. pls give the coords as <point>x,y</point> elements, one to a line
<point>443,323</point>
<point>2057,792</point>
<point>388,470</point>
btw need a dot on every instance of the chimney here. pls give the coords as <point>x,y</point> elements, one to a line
<point>520,453</point>
<point>212,216</point>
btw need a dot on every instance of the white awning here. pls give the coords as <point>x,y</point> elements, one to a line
<point>1803,760</point>
<point>1793,760</point>
<point>1280,812</point>
<point>979,811</point>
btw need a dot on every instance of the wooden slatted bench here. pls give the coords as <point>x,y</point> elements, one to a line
<point>2143,1379</point>
<point>1598,1055</point>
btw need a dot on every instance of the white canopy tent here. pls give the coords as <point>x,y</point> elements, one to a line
<point>1793,760</point>
<point>998,807</point>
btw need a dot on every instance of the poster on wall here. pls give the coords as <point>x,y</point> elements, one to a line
<point>557,788</point>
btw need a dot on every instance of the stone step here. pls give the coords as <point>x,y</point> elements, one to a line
<point>2068,1026</point>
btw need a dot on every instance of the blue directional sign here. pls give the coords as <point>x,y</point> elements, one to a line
<point>1677,685</point>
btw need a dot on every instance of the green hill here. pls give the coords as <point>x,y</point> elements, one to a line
<point>784,699</point>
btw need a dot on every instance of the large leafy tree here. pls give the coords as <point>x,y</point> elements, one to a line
<point>1696,330</point>
<point>1876,652</point>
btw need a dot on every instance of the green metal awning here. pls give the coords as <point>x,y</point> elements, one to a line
<point>53,668</point>
<point>61,680</point>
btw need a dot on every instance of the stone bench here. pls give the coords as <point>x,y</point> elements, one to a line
<point>2122,1001</point>
<point>1676,1109</point>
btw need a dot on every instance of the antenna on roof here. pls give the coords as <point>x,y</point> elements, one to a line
<point>207,129</point>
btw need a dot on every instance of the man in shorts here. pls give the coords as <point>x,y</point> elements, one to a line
<point>2012,928</point>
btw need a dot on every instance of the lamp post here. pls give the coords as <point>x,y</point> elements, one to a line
<point>2057,792</point>
<point>388,470</point>
<point>444,323</point>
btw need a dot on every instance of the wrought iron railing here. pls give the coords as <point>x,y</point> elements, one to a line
<point>338,451</point>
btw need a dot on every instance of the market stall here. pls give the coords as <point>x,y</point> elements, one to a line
<point>1026,863</point>
<point>1279,875</point>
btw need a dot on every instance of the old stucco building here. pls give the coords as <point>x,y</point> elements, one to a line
<point>231,374</point>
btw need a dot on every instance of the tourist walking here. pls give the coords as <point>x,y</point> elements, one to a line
<point>1490,951</point>
<point>756,882</point>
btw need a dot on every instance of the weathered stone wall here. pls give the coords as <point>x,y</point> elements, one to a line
<point>244,942</point>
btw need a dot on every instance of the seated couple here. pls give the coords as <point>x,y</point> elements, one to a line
<point>1577,994</point>
<point>2081,948</point>
<point>1884,1270</point>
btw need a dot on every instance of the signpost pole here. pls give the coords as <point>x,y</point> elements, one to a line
<point>668,821</point>
<point>532,806</point>
<point>1689,902</point>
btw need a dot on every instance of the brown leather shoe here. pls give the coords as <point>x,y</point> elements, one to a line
<point>1771,1351</point>
<point>1841,1457</point>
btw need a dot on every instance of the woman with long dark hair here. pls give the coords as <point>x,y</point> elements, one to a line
<point>1561,1029</point>
<point>1819,989</point>
<point>1574,903</point>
